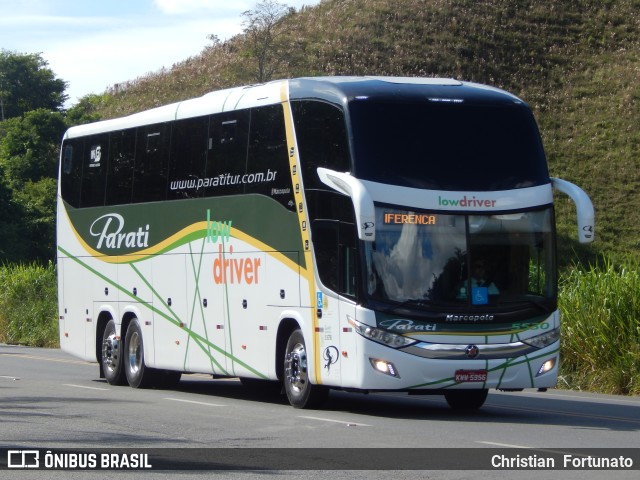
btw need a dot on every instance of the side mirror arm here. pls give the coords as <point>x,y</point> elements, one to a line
<point>584,208</point>
<point>362,201</point>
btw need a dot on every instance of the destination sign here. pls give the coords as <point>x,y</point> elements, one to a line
<point>409,218</point>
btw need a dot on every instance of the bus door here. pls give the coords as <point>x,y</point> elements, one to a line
<point>334,244</point>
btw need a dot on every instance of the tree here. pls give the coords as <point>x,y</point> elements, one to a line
<point>29,146</point>
<point>37,203</point>
<point>29,151</point>
<point>12,246</point>
<point>31,104</point>
<point>26,83</point>
<point>263,28</point>
<point>87,108</point>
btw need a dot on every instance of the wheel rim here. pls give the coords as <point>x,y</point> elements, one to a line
<point>296,368</point>
<point>111,353</point>
<point>135,353</point>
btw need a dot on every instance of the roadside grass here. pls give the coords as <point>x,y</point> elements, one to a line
<point>599,306</point>
<point>600,311</point>
<point>28,305</point>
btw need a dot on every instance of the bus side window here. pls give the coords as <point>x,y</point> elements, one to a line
<point>188,158</point>
<point>71,180</point>
<point>325,244</point>
<point>152,163</point>
<point>227,152</point>
<point>347,256</point>
<point>268,160</point>
<point>120,169</point>
<point>322,139</point>
<point>96,153</point>
<point>335,249</point>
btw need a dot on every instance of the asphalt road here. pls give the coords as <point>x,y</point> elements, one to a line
<point>50,400</point>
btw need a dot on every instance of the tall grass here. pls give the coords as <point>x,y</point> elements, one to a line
<point>28,298</point>
<point>600,309</point>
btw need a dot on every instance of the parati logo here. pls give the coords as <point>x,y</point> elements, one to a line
<point>109,231</point>
<point>405,325</point>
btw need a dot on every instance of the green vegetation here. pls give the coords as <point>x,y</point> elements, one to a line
<point>31,126</point>
<point>575,62</point>
<point>28,305</point>
<point>600,308</point>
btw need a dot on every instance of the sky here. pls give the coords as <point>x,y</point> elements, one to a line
<point>95,44</point>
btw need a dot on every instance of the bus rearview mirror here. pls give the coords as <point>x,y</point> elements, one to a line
<point>362,202</point>
<point>584,208</point>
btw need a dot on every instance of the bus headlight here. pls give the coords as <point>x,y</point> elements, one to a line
<point>543,340</point>
<point>381,336</point>
<point>385,367</point>
<point>547,366</point>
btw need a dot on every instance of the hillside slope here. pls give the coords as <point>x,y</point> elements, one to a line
<point>576,62</point>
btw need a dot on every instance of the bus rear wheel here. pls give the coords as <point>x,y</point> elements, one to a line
<point>466,399</point>
<point>111,355</point>
<point>297,385</point>
<point>138,374</point>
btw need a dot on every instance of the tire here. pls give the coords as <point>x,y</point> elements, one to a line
<point>111,357</point>
<point>297,385</point>
<point>138,374</point>
<point>466,399</point>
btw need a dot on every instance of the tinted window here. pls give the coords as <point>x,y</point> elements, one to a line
<point>227,152</point>
<point>94,168</point>
<point>447,146</point>
<point>322,139</point>
<point>120,169</point>
<point>329,204</point>
<point>188,158</point>
<point>71,172</point>
<point>335,250</point>
<point>152,162</point>
<point>268,160</point>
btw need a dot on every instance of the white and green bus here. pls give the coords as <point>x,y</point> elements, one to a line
<point>355,233</point>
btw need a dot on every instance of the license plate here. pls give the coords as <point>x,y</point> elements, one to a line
<point>463,376</point>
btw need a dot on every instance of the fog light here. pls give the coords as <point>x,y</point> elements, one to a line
<point>547,366</point>
<point>385,367</point>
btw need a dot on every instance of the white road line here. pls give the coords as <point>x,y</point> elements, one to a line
<point>8,377</point>
<point>194,402</point>
<point>86,388</point>
<point>348,424</point>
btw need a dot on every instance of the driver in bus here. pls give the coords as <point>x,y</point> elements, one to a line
<point>481,286</point>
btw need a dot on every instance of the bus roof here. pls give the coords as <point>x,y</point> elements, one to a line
<point>344,89</point>
<point>338,90</point>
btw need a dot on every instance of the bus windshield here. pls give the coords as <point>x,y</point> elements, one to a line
<point>433,259</point>
<point>442,145</point>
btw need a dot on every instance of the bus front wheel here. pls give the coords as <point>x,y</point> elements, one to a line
<point>297,385</point>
